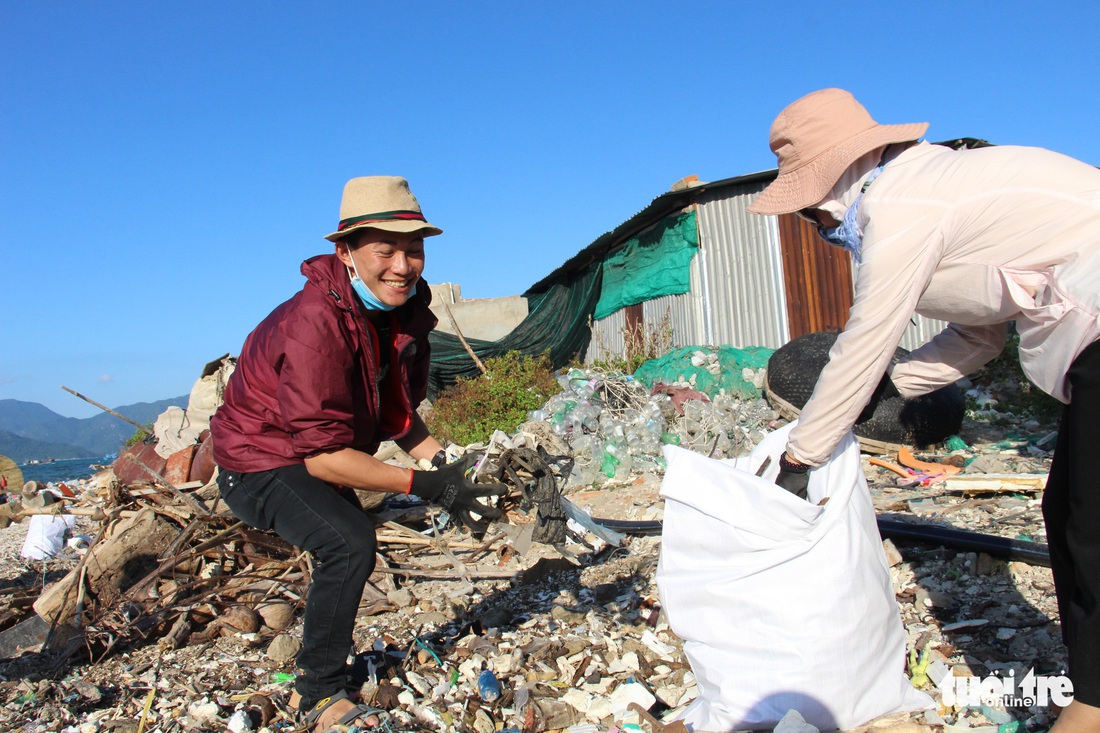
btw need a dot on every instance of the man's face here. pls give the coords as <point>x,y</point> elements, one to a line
<point>390,263</point>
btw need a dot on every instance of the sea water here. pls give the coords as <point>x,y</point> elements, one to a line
<point>68,469</point>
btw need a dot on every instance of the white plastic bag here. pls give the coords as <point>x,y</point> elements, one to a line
<point>46,535</point>
<point>782,604</point>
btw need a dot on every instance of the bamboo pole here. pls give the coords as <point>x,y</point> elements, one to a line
<point>458,332</point>
<point>142,428</point>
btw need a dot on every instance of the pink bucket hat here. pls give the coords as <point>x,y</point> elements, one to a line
<point>815,139</point>
<point>380,202</point>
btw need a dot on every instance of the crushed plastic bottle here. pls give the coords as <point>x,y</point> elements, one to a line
<point>488,686</point>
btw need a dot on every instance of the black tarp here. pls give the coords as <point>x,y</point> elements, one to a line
<point>557,324</point>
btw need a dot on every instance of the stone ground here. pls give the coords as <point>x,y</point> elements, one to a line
<point>570,630</point>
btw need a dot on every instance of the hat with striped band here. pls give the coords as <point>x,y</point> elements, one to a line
<point>380,202</point>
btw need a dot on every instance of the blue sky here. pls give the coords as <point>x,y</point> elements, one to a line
<point>166,167</point>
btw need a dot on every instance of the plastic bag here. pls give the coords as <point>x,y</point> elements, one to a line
<point>46,535</point>
<point>782,603</point>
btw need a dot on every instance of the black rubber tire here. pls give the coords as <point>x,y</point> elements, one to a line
<point>932,418</point>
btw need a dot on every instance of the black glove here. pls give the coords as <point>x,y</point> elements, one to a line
<point>793,476</point>
<point>884,391</point>
<point>449,489</point>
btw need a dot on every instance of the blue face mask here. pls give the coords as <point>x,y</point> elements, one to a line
<point>848,235</point>
<point>366,297</point>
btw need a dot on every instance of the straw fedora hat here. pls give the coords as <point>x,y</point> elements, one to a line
<point>380,202</point>
<point>815,139</point>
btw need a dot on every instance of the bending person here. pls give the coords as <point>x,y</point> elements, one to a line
<point>326,377</point>
<point>978,238</point>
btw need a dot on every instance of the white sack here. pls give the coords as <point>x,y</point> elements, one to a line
<point>177,428</point>
<point>46,535</point>
<point>782,604</point>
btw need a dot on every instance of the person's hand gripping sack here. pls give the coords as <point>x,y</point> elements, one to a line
<point>449,488</point>
<point>793,476</point>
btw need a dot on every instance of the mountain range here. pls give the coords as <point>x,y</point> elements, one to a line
<point>31,431</point>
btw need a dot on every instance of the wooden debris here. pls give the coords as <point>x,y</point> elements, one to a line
<point>997,482</point>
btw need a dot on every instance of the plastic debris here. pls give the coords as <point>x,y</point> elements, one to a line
<point>488,686</point>
<point>615,427</point>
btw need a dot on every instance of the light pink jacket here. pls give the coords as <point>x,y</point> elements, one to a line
<point>977,238</point>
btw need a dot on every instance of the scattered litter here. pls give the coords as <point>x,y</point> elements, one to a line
<point>572,630</point>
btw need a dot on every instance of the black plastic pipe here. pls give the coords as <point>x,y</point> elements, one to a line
<point>1033,553</point>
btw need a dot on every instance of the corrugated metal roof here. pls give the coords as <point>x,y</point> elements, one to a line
<point>659,208</point>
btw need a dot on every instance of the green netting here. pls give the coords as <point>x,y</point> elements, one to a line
<point>556,322</point>
<point>650,265</point>
<point>729,363</point>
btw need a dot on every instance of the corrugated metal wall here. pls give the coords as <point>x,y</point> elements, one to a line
<point>818,279</point>
<point>737,293</point>
<point>742,271</point>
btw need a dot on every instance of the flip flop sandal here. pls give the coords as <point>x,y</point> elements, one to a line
<point>352,714</point>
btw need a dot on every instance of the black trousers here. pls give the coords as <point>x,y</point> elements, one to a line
<point>1071,510</point>
<point>312,515</point>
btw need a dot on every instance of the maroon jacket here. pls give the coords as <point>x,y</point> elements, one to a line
<point>306,381</point>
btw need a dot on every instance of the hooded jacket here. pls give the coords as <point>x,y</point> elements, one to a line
<point>978,238</point>
<point>306,380</point>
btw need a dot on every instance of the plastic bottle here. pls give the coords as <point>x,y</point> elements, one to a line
<point>610,463</point>
<point>488,686</point>
<point>520,697</point>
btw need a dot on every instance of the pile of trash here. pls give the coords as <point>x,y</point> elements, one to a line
<point>176,617</point>
<point>614,425</point>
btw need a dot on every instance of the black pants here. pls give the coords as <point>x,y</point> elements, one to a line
<point>310,514</point>
<point>1071,510</point>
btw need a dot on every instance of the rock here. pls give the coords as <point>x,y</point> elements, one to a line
<point>87,690</point>
<point>432,618</point>
<point>560,613</point>
<point>400,598</point>
<point>283,648</point>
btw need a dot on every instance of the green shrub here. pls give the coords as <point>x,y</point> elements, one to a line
<point>138,436</point>
<point>512,386</point>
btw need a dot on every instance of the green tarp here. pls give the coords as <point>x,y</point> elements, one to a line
<point>650,265</point>
<point>729,377</point>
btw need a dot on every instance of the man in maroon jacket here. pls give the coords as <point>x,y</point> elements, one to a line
<point>326,377</point>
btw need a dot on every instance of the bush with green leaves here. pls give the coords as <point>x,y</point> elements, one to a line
<point>139,436</point>
<point>499,399</point>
